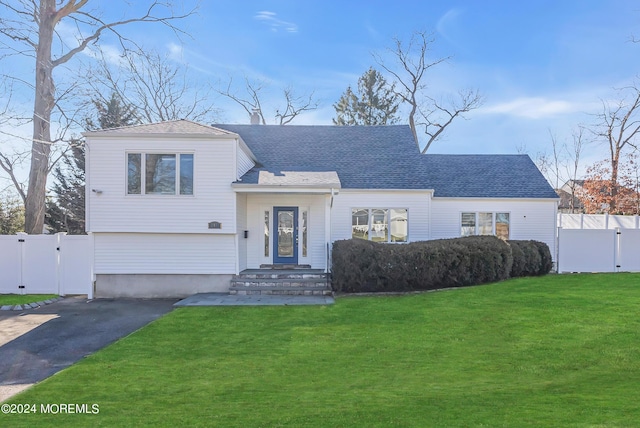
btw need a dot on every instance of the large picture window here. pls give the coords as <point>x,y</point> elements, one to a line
<point>484,223</point>
<point>159,174</point>
<point>379,224</point>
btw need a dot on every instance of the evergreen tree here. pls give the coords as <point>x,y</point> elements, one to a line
<point>376,103</point>
<point>112,113</point>
<point>11,216</point>
<point>346,109</point>
<point>65,211</point>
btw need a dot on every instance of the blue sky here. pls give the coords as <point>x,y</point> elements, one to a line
<point>542,66</point>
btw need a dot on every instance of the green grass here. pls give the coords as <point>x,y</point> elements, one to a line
<point>556,351</point>
<point>19,299</point>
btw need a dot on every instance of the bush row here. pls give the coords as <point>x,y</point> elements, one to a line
<point>365,266</point>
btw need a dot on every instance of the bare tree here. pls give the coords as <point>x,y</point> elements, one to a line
<point>155,86</point>
<point>251,99</point>
<point>438,116</point>
<point>29,28</point>
<point>618,125</point>
<point>410,63</point>
<point>555,161</point>
<point>294,105</point>
<point>572,165</point>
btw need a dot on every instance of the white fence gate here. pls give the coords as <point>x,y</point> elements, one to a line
<point>598,243</point>
<point>46,264</point>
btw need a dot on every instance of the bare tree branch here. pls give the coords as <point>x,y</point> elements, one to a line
<point>158,88</point>
<point>252,102</point>
<point>409,68</point>
<point>8,165</point>
<point>618,125</point>
<point>295,106</point>
<point>433,128</point>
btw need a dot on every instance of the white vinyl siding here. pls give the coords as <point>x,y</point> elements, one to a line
<point>113,210</point>
<point>244,162</point>
<point>416,204</point>
<point>528,219</point>
<point>314,205</point>
<point>151,253</point>
<point>241,207</point>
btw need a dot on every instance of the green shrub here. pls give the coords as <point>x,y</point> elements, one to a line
<point>519,266</point>
<point>530,258</point>
<point>546,261</point>
<point>360,265</point>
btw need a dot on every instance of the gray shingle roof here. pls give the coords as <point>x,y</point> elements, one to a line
<point>386,157</point>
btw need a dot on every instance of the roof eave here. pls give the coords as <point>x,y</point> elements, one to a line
<point>264,188</point>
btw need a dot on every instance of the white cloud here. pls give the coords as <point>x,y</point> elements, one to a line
<point>275,24</point>
<point>447,21</point>
<point>535,107</point>
<point>176,52</point>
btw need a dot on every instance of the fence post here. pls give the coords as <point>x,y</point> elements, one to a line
<point>616,254</point>
<point>22,241</point>
<point>59,267</point>
<point>558,249</point>
<point>606,220</point>
<point>93,274</point>
<point>581,220</point>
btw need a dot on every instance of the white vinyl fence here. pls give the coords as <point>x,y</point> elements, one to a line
<point>598,243</point>
<point>46,264</point>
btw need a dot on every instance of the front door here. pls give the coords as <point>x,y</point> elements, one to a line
<point>285,241</point>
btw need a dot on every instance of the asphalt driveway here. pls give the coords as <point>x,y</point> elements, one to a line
<point>36,343</point>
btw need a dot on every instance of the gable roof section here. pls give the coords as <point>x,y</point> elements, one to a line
<point>183,127</point>
<point>365,157</point>
<point>386,157</point>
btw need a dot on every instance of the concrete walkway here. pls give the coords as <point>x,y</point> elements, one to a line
<point>223,299</point>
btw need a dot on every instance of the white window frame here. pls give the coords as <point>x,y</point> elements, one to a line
<point>388,222</point>
<point>143,166</point>
<point>477,222</point>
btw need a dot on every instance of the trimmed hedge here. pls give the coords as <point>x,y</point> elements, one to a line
<point>365,266</point>
<point>530,258</point>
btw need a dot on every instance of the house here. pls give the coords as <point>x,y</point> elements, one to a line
<point>177,207</point>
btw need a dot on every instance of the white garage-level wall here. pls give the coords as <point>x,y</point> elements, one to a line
<point>416,202</point>
<point>164,253</point>
<point>113,210</point>
<point>529,218</point>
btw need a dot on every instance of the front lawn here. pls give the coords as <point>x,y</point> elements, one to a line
<point>20,299</point>
<point>559,350</point>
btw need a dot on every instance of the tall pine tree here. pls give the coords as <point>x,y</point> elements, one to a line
<point>346,109</point>
<point>65,211</point>
<point>376,103</point>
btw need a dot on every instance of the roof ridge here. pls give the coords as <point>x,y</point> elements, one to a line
<point>162,124</point>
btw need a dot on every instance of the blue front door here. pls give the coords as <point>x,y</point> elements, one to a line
<point>285,240</point>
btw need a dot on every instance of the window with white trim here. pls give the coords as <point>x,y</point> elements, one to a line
<point>160,173</point>
<point>380,224</point>
<point>485,223</point>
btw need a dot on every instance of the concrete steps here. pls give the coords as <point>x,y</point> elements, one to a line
<point>300,281</point>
